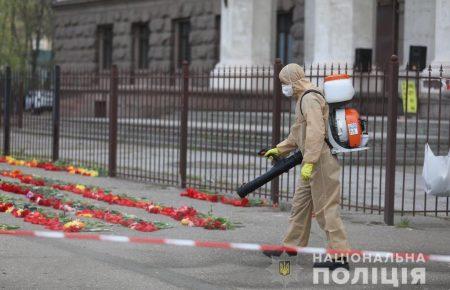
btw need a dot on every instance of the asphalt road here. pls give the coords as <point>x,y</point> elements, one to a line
<point>33,263</point>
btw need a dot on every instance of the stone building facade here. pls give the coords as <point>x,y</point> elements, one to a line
<point>76,32</point>
<point>138,34</point>
<point>212,34</point>
<point>79,23</point>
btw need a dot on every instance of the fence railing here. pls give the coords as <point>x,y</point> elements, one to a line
<point>202,128</point>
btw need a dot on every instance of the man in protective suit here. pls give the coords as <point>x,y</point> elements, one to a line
<point>319,187</point>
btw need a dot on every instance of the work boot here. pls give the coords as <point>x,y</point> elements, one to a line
<point>291,253</point>
<point>272,253</point>
<point>333,264</point>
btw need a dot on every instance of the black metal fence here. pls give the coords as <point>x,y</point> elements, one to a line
<point>202,128</point>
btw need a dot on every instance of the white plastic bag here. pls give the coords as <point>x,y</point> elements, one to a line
<point>436,173</point>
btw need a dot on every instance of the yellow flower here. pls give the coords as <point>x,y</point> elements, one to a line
<point>155,206</point>
<point>9,210</point>
<point>93,173</point>
<point>185,222</point>
<point>86,215</point>
<point>80,187</point>
<point>75,223</point>
<point>10,160</point>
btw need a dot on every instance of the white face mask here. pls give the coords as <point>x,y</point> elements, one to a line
<point>288,90</point>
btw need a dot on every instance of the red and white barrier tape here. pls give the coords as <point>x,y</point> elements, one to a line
<point>217,245</point>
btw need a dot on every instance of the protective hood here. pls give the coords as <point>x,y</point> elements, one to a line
<point>295,75</point>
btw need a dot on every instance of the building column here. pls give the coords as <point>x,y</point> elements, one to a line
<point>335,28</point>
<point>441,32</point>
<point>247,40</point>
<point>427,23</point>
<point>419,26</point>
<point>247,32</point>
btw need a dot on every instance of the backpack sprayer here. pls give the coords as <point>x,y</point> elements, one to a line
<point>347,132</point>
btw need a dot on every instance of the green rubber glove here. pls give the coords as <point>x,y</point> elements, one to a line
<point>274,152</point>
<point>306,172</point>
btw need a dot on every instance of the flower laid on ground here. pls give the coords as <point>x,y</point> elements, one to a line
<point>82,171</point>
<point>48,220</point>
<point>101,194</point>
<point>129,221</point>
<point>192,193</point>
<point>51,198</point>
<point>5,227</point>
<point>208,221</point>
<point>188,216</point>
<point>74,226</point>
<point>214,197</point>
<point>50,166</point>
<point>96,193</point>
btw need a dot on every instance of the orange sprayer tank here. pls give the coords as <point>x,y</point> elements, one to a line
<point>354,129</point>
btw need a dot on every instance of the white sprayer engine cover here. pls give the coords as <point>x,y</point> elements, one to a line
<point>338,88</point>
<point>341,125</point>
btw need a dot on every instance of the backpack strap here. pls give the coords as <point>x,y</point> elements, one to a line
<point>307,92</point>
<point>301,111</point>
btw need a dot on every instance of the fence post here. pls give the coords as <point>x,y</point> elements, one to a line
<point>113,107</point>
<point>20,105</point>
<point>7,112</point>
<point>56,111</point>
<point>184,124</point>
<point>276,125</point>
<point>391,140</point>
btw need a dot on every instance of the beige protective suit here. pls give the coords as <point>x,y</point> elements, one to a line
<point>321,193</point>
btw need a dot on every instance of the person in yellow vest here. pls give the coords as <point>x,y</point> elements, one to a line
<point>318,190</point>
